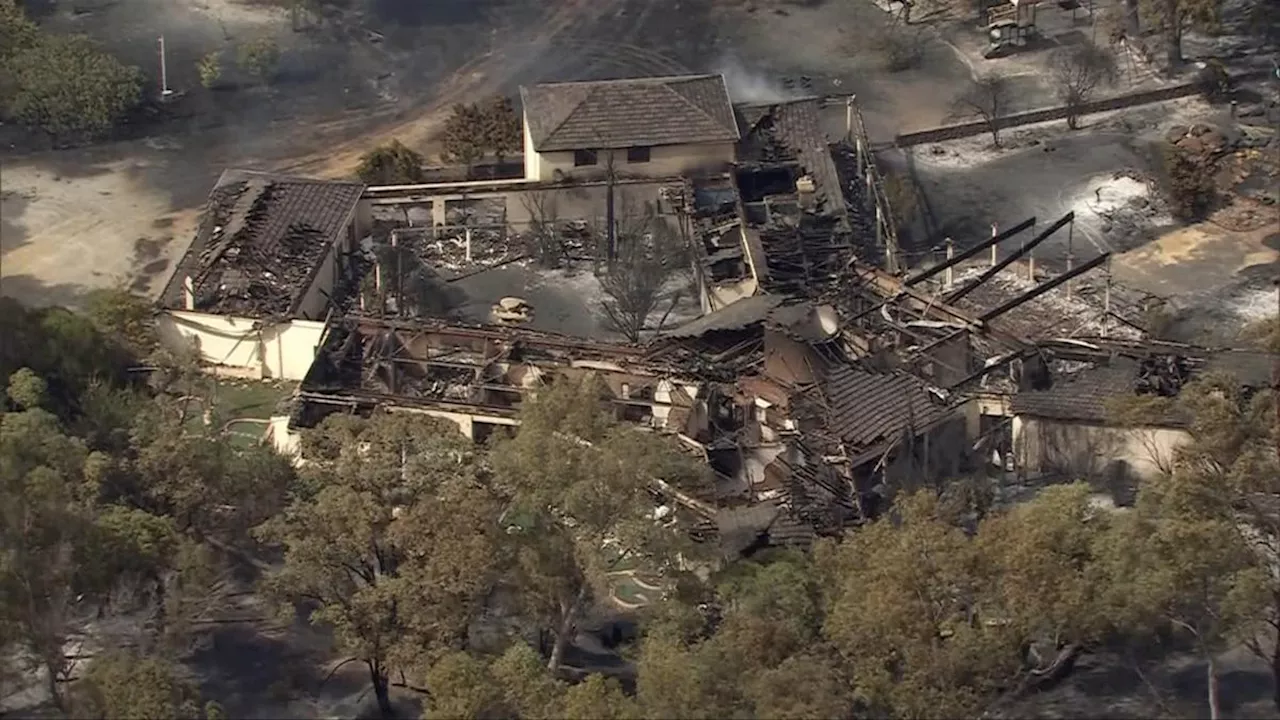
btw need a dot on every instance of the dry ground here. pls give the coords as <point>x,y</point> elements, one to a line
<point>1216,273</point>
<point>84,218</point>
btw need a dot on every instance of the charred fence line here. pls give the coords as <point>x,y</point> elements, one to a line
<point>969,129</point>
<point>874,196</point>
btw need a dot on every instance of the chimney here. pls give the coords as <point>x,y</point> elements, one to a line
<point>188,293</point>
<point>805,189</point>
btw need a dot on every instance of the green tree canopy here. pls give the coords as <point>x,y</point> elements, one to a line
<point>68,87</point>
<point>1199,553</point>
<point>580,487</point>
<point>125,685</point>
<point>396,549</point>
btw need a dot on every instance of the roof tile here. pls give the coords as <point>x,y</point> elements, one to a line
<point>633,112</point>
<point>869,408</point>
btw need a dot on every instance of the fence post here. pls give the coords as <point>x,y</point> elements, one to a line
<point>948,277</point>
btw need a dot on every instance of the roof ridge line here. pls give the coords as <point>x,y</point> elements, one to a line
<point>577,106</point>
<point>723,83</point>
<point>663,79</point>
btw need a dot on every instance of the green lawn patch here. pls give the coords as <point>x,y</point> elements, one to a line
<point>235,398</point>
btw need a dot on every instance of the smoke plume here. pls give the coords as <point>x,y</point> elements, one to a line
<point>748,86</point>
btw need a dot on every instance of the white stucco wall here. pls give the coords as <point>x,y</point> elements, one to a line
<point>1085,450</point>
<point>290,349</point>
<point>724,294</point>
<point>280,350</point>
<point>664,161</point>
<point>285,441</point>
<point>315,303</point>
<point>532,160</point>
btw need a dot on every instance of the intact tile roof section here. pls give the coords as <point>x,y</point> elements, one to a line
<point>636,112</point>
<point>1251,368</point>
<point>260,243</point>
<point>1084,396</point>
<point>868,408</point>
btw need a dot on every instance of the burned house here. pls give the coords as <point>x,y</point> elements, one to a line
<point>819,379</point>
<point>254,289</point>
<point>477,376</point>
<point>1076,428</point>
<point>781,223</point>
<point>803,429</point>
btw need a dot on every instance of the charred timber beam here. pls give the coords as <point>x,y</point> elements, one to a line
<point>961,257</point>
<point>1013,257</point>
<point>531,338</point>
<point>363,396</point>
<point>1003,362</point>
<point>1042,288</point>
<point>890,285</point>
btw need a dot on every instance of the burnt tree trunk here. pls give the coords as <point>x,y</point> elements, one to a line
<point>1172,34</point>
<point>564,633</point>
<point>55,690</point>
<point>1275,672</point>
<point>1131,17</point>
<point>1215,711</point>
<point>381,690</point>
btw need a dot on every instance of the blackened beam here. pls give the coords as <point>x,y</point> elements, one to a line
<point>1042,288</point>
<point>1013,257</point>
<point>492,332</point>
<point>1015,302</point>
<point>1015,355</point>
<point>930,306</point>
<point>961,257</point>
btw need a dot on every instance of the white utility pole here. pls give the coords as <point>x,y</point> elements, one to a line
<point>165,92</point>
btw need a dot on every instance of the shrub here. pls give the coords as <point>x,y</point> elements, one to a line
<point>391,164</point>
<point>1188,183</point>
<point>259,58</point>
<point>210,69</point>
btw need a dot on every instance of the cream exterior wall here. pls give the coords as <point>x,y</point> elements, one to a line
<point>1085,450</point>
<point>285,441</point>
<point>280,350</point>
<point>664,161</point>
<point>532,160</point>
<point>315,302</point>
<point>722,295</point>
<point>993,404</point>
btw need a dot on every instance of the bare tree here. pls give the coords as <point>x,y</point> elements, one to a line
<point>1077,72</point>
<point>545,242</point>
<point>648,255</point>
<point>1173,18</point>
<point>896,41</point>
<point>986,100</point>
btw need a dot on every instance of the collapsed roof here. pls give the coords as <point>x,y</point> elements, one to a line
<point>1121,370</point>
<point>260,243</point>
